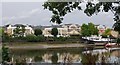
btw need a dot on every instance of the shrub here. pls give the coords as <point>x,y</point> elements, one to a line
<point>40,38</point>
<point>31,38</point>
<point>60,38</point>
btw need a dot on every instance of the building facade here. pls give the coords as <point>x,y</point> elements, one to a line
<point>63,30</point>
<point>9,29</point>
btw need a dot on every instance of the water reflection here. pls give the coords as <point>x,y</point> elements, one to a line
<point>74,55</point>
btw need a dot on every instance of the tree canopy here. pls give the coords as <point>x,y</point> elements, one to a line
<point>38,32</point>
<point>54,32</point>
<point>107,32</point>
<point>19,31</point>
<point>89,29</point>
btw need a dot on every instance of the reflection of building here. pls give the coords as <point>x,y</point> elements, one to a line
<point>9,29</point>
<point>63,30</point>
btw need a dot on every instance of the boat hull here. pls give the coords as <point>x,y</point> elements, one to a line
<point>110,44</point>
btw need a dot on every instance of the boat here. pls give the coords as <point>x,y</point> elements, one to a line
<point>110,44</point>
<point>96,39</point>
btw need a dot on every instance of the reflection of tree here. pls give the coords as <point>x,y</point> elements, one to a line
<point>20,61</point>
<point>37,58</point>
<point>89,58</point>
<point>104,56</point>
<point>54,58</point>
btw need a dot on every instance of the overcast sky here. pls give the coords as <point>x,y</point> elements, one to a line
<point>33,13</point>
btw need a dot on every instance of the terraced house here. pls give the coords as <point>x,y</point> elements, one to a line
<point>9,29</point>
<point>63,30</point>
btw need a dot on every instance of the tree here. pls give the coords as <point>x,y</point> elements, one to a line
<point>107,33</point>
<point>90,29</point>
<point>54,58</point>
<point>5,37</point>
<point>19,31</point>
<point>84,30</point>
<point>38,32</point>
<point>54,32</point>
<point>22,30</point>
<point>60,9</point>
<point>117,28</point>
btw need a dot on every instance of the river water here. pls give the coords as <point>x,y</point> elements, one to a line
<point>67,55</point>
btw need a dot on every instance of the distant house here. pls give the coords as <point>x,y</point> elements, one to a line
<point>101,29</point>
<point>9,29</point>
<point>63,30</point>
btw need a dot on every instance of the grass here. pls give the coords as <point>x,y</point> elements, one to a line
<point>42,45</point>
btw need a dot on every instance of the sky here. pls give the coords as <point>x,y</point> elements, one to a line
<point>33,13</point>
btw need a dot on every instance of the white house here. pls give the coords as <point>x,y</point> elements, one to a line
<point>10,29</point>
<point>63,30</point>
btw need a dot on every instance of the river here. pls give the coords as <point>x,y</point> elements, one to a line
<point>67,55</point>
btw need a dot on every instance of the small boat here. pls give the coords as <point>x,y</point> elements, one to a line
<point>110,44</point>
<point>97,39</point>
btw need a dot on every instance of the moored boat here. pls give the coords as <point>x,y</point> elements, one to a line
<point>110,44</point>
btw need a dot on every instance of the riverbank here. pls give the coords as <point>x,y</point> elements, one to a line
<point>44,45</point>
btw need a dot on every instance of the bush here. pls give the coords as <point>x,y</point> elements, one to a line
<point>33,38</point>
<point>60,38</point>
<point>5,37</point>
<point>17,39</point>
<point>40,38</point>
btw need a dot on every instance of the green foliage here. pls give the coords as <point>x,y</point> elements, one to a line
<point>60,38</point>
<point>107,33</point>
<point>40,38</point>
<point>5,54</point>
<point>19,31</point>
<point>38,32</point>
<point>33,38</point>
<point>1,31</point>
<point>118,40</point>
<point>116,26</point>
<point>5,37</point>
<point>60,9</point>
<point>54,32</point>
<point>90,29</point>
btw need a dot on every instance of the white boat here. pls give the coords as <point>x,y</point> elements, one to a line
<point>96,39</point>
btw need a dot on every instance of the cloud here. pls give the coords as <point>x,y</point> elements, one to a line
<point>23,0</point>
<point>23,15</point>
<point>34,11</point>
